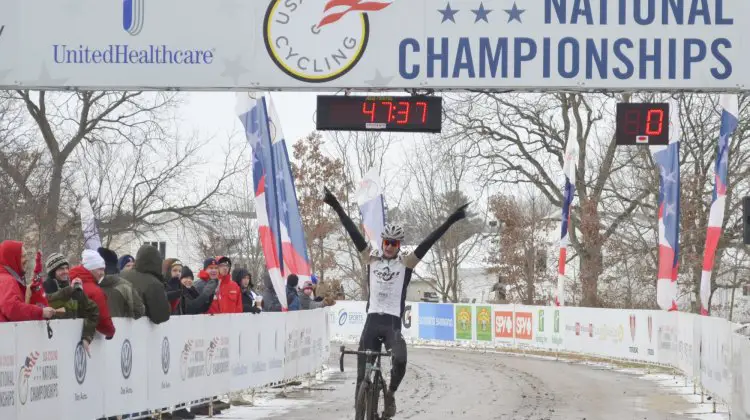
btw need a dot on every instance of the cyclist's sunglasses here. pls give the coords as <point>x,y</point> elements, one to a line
<point>391,242</point>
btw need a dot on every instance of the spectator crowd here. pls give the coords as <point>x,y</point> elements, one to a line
<point>104,286</point>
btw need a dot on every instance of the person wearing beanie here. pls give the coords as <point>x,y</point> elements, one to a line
<point>147,279</point>
<point>61,293</point>
<point>307,299</point>
<point>228,296</point>
<point>243,279</point>
<point>126,263</point>
<point>203,276</point>
<point>122,299</point>
<point>292,298</point>
<point>90,273</point>
<point>172,269</point>
<point>271,301</point>
<point>193,302</point>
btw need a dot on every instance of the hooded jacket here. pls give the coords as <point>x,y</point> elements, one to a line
<point>228,297</point>
<point>146,279</point>
<point>13,306</point>
<point>248,296</point>
<point>193,302</point>
<point>171,284</point>
<point>61,294</point>
<point>271,301</point>
<point>96,294</point>
<point>122,298</point>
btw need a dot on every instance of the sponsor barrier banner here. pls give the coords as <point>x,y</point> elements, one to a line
<point>464,322</point>
<point>741,369</point>
<point>347,319</point>
<point>436,321</point>
<point>410,321</point>
<point>319,45</point>
<point>165,363</point>
<point>483,323</point>
<point>504,326</point>
<point>125,391</point>
<point>715,356</point>
<point>9,371</point>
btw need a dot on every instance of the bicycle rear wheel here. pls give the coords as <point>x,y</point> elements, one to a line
<point>360,408</point>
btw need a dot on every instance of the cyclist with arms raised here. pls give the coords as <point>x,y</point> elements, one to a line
<point>388,275</point>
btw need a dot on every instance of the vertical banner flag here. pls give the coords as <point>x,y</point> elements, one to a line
<point>294,257</point>
<point>371,208</point>
<point>254,116</point>
<point>668,162</point>
<point>91,237</point>
<point>729,114</point>
<point>569,170</point>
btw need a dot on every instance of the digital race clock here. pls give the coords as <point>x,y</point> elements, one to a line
<point>383,113</point>
<point>642,123</point>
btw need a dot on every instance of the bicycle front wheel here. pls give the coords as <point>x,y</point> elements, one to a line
<point>360,408</point>
<point>372,409</point>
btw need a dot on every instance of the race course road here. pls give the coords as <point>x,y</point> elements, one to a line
<point>481,386</point>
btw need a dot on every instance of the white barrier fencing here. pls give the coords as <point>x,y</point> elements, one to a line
<point>704,349</point>
<point>150,367</point>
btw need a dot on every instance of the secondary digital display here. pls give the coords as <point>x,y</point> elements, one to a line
<point>642,123</point>
<point>382,113</point>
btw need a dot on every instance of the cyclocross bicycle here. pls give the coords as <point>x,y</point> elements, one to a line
<point>366,407</point>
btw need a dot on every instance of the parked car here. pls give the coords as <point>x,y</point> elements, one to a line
<point>430,297</point>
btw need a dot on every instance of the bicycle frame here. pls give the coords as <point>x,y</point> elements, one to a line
<point>373,375</point>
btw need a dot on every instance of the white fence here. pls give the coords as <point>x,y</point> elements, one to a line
<point>150,367</point>
<point>704,349</point>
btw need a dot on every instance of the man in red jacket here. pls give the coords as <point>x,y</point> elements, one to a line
<point>91,272</point>
<point>13,306</point>
<point>228,297</point>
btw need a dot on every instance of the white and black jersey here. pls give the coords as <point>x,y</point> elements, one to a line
<point>388,280</point>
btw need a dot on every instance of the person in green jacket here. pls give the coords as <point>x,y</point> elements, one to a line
<point>122,299</point>
<point>62,294</point>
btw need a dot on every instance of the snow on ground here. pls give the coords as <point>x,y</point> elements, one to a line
<point>488,384</point>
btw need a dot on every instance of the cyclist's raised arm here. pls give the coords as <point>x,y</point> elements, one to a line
<point>415,257</point>
<point>351,228</point>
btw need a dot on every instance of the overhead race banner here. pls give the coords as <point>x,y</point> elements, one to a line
<point>332,44</point>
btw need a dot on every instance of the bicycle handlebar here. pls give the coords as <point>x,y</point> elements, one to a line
<point>368,353</point>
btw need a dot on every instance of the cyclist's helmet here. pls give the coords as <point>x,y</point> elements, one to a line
<point>393,231</point>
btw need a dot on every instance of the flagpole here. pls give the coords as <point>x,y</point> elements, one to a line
<point>275,193</point>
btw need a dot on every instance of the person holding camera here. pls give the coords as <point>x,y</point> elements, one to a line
<point>64,294</point>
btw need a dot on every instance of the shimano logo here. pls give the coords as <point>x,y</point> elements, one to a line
<point>133,16</point>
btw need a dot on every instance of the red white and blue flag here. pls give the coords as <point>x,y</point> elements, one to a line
<point>668,162</point>
<point>729,112</point>
<point>279,222</point>
<point>569,170</point>
<point>371,207</point>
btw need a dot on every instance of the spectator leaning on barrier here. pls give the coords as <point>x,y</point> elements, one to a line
<point>228,296</point>
<point>271,301</point>
<point>193,302</point>
<point>308,301</point>
<point>122,299</point>
<point>61,293</point>
<point>126,263</point>
<point>243,278</point>
<point>91,272</point>
<point>13,305</point>
<point>172,269</point>
<point>292,298</point>
<point>146,278</point>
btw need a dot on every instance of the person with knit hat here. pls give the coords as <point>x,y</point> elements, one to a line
<point>90,273</point>
<point>62,293</point>
<point>147,279</point>
<point>243,279</point>
<point>172,269</point>
<point>292,298</point>
<point>122,299</point>
<point>228,296</point>
<point>193,302</point>
<point>126,263</point>
<point>307,299</point>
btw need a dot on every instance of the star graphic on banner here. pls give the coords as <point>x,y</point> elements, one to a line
<point>379,80</point>
<point>481,13</point>
<point>47,81</point>
<point>448,14</point>
<point>669,209</point>
<point>234,69</point>
<point>514,13</point>
<point>669,177</point>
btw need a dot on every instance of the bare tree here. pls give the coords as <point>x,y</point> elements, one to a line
<point>121,149</point>
<point>439,177</point>
<point>522,259</point>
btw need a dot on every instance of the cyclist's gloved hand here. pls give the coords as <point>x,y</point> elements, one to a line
<point>460,213</point>
<point>329,198</point>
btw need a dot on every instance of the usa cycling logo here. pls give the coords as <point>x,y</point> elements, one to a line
<point>133,16</point>
<point>318,41</point>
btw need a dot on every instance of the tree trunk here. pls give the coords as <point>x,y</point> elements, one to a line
<point>591,269</point>
<point>49,237</point>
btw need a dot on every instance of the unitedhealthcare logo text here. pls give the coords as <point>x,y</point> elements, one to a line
<point>134,19</point>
